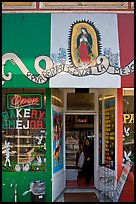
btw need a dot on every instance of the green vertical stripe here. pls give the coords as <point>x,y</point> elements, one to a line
<point>48,146</point>
<point>28,36</point>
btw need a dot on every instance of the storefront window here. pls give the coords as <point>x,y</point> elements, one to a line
<point>128,125</point>
<point>23,130</point>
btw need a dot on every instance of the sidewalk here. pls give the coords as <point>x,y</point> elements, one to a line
<point>100,197</point>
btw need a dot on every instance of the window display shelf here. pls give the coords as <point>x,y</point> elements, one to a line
<point>20,136</point>
<point>29,145</point>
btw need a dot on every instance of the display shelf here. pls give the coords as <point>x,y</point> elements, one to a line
<point>72,152</point>
<point>24,148</point>
<point>72,148</point>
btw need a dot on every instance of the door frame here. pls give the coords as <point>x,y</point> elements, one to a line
<point>95,113</point>
<point>104,92</point>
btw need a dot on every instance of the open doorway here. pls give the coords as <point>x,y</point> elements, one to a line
<point>77,128</point>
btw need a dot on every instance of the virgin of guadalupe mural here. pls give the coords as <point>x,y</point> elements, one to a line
<point>84,43</point>
<point>84,47</point>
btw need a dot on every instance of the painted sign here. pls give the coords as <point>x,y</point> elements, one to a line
<point>23,119</point>
<point>128,118</point>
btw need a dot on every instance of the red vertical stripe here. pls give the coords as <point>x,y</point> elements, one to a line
<point>128,191</point>
<point>119,132</point>
<point>126,44</point>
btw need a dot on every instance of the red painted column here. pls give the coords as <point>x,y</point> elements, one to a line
<point>119,131</point>
<point>126,44</point>
<point>127,194</point>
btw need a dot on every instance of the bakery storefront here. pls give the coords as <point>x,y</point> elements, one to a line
<point>59,87</point>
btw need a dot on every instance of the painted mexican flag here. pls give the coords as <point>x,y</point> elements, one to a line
<point>62,50</point>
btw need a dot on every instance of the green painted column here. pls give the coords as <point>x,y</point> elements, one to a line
<point>28,36</point>
<point>48,147</point>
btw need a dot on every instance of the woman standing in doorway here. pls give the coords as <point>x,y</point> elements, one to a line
<point>89,160</point>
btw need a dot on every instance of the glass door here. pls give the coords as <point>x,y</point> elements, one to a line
<point>77,128</point>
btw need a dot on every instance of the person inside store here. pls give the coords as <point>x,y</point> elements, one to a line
<point>88,166</point>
